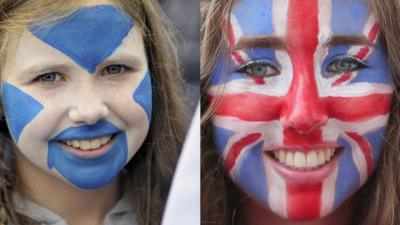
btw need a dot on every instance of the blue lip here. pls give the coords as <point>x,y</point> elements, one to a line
<point>99,129</point>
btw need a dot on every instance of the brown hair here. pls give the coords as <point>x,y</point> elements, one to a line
<point>377,202</point>
<point>149,173</point>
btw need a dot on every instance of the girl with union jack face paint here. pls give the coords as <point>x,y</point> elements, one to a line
<point>298,96</point>
<point>87,88</point>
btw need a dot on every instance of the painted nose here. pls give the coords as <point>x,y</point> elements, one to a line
<point>88,107</point>
<point>303,110</point>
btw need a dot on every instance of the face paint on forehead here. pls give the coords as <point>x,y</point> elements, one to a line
<point>316,147</point>
<point>254,17</point>
<point>88,36</point>
<point>84,154</point>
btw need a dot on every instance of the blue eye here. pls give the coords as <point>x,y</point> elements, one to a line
<point>113,70</point>
<point>343,65</point>
<point>259,68</point>
<point>50,77</point>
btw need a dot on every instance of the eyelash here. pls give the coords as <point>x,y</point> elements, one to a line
<point>122,68</point>
<point>264,68</point>
<point>351,64</point>
<point>55,75</point>
<point>50,78</point>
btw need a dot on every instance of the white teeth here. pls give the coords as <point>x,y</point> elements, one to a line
<point>85,145</point>
<point>321,157</point>
<point>301,160</point>
<point>95,143</point>
<point>312,160</point>
<point>88,144</point>
<point>289,159</point>
<point>282,156</point>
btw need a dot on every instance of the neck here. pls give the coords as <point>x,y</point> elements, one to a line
<point>76,206</point>
<point>252,213</point>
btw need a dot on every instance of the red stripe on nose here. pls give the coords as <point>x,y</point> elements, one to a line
<point>302,110</point>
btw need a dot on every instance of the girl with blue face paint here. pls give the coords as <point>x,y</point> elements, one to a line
<point>298,98</point>
<point>89,96</point>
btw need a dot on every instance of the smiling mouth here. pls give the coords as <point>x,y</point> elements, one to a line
<point>299,160</point>
<point>88,144</point>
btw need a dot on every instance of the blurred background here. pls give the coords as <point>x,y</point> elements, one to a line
<point>185,16</point>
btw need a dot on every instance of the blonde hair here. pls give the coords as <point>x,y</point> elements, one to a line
<point>149,173</point>
<point>377,202</point>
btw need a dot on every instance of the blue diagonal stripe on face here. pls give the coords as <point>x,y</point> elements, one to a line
<point>222,137</point>
<point>143,95</point>
<point>88,36</point>
<point>250,173</point>
<point>348,178</point>
<point>20,108</point>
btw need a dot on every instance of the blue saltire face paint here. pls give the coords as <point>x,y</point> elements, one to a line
<point>77,95</point>
<point>97,171</point>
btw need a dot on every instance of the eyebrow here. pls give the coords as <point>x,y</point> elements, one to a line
<point>279,44</point>
<point>124,55</point>
<point>337,40</point>
<point>261,42</point>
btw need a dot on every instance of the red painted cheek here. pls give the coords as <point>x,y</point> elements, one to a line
<point>250,106</point>
<point>358,108</point>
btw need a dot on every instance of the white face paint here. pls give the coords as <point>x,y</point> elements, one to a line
<point>79,124</point>
<point>297,122</point>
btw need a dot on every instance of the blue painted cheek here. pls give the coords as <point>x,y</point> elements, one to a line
<point>348,177</point>
<point>88,36</point>
<point>221,137</point>
<point>250,172</point>
<point>20,109</point>
<point>89,173</point>
<point>143,95</point>
<point>376,140</point>
<point>251,175</point>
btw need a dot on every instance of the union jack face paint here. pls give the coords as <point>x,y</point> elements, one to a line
<point>304,98</point>
<point>77,95</point>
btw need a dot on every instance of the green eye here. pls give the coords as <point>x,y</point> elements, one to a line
<point>259,68</point>
<point>344,65</point>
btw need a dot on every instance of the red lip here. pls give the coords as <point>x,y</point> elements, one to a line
<point>90,154</point>
<point>304,176</point>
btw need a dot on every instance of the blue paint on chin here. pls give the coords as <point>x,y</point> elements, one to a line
<point>20,108</point>
<point>88,36</point>
<point>89,173</point>
<point>143,95</point>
